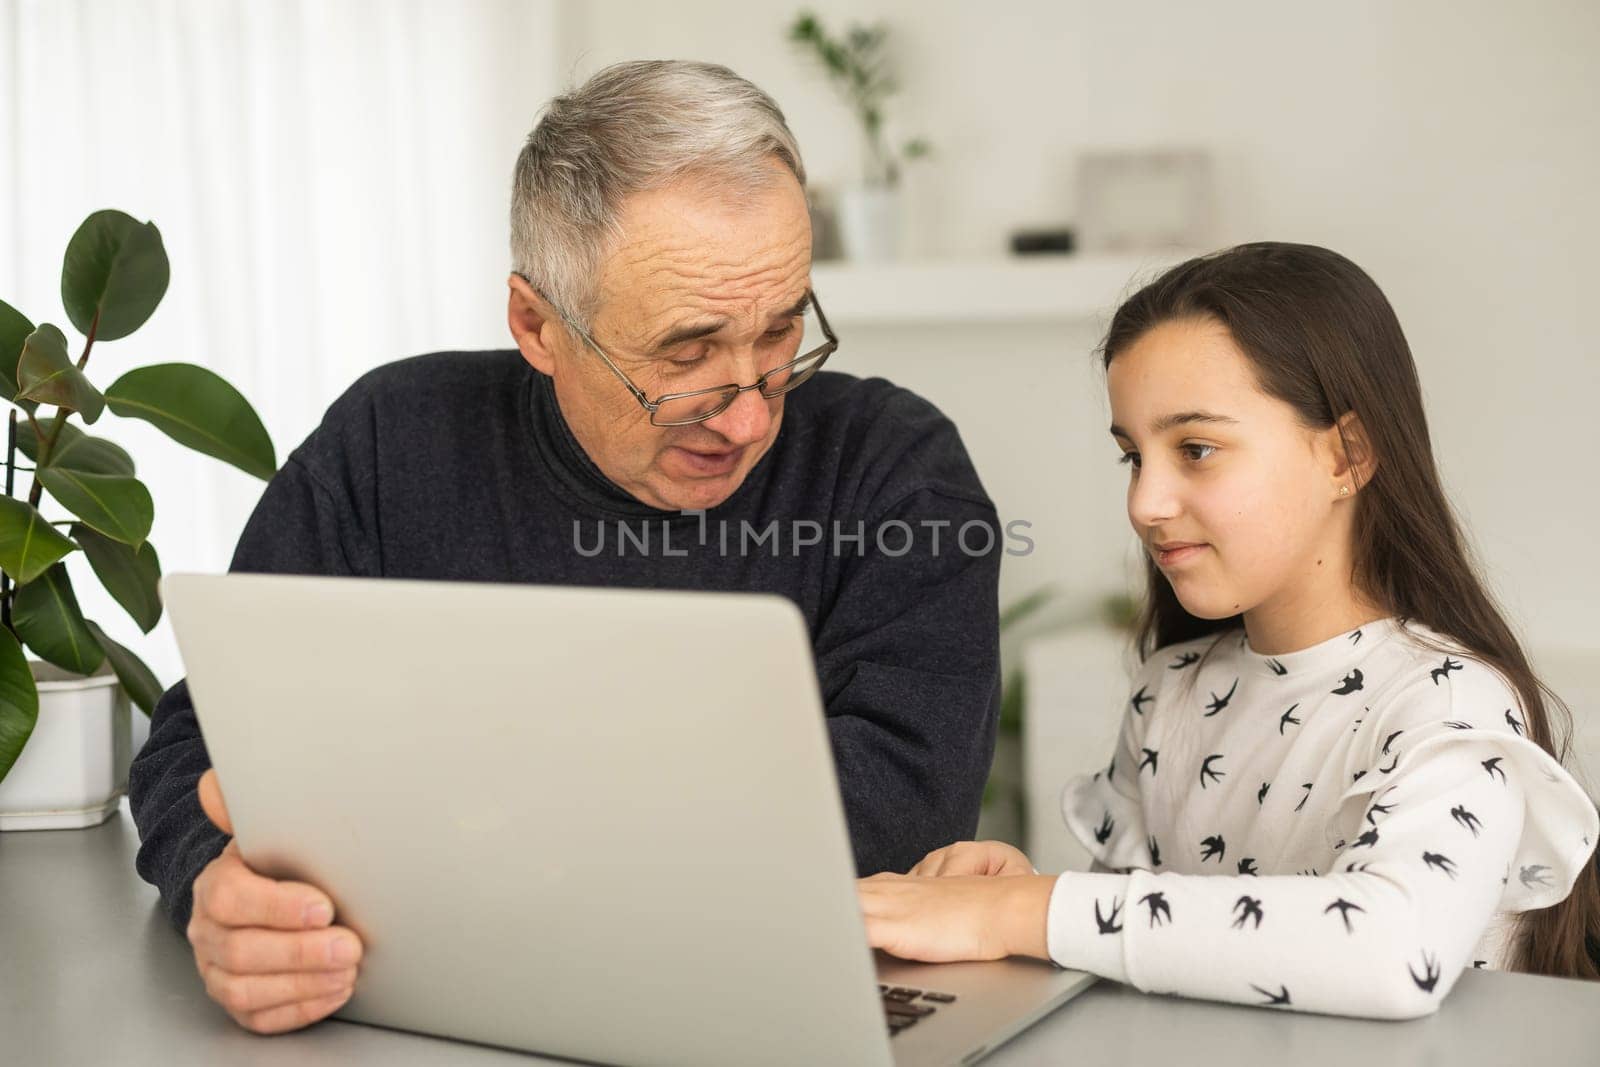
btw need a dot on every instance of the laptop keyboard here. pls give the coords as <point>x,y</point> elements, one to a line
<point>904,1007</point>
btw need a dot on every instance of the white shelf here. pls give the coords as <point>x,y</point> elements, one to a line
<point>1045,288</point>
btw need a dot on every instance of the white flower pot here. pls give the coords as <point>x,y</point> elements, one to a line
<point>869,223</point>
<point>74,768</point>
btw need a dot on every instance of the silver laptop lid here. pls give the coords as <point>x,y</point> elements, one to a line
<point>595,823</point>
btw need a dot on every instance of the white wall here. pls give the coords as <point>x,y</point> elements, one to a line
<point>1451,149</point>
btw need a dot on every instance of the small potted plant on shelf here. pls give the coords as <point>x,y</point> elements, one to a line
<point>858,66</point>
<point>64,730</point>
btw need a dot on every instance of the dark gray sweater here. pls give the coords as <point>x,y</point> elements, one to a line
<point>459,466</point>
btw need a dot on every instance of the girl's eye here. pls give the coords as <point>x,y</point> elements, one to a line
<point>1130,458</point>
<point>1198,452</point>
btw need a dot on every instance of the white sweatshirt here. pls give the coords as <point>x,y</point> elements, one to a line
<point>1341,829</point>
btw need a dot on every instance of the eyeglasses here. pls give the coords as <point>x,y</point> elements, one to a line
<point>698,405</point>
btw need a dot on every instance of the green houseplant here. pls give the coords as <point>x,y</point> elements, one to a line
<point>857,63</point>
<point>114,273</point>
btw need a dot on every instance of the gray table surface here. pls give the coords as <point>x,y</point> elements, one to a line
<point>91,972</point>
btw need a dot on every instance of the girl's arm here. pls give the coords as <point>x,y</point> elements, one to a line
<point>1385,934</point>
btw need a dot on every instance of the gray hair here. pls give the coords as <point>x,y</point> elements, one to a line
<point>633,127</point>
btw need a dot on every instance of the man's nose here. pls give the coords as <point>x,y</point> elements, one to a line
<point>745,421</point>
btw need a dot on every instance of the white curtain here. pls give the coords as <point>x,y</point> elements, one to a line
<point>330,178</point>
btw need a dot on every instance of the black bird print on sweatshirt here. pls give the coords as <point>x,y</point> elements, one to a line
<point>1212,846</point>
<point>1288,719</point>
<point>1207,772</point>
<point>1349,684</point>
<point>1378,809</point>
<point>1356,777</point>
<point>1248,908</point>
<point>1278,999</point>
<point>1533,875</point>
<point>1140,699</point>
<point>1160,910</point>
<point>1183,661</point>
<point>1355,638</point>
<point>1390,740</point>
<point>1344,908</point>
<point>1430,972</point>
<point>1367,840</point>
<point>1392,764</point>
<point>1516,727</point>
<point>1102,833</point>
<point>1438,862</point>
<point>1457,724</point>
<point>1461,815</point>
<point>1444,671</point>
<point>1307,788</point>
<point>1277,668</point>
<point>1220,702</point>
<point>1155,852</point>
<point>1261,794</point>
<point>1247,865</point>
<point>1492,765</point>
<point>1149,760</point>
<point>1108,925</point>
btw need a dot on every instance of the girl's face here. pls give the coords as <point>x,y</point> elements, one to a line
<point>1233,497</point>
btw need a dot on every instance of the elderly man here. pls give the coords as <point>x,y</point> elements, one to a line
<point>661,423</point>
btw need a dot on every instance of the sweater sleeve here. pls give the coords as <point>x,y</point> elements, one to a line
<point>298,527</point>
<point>909,661</point>
<point>1385,934</point>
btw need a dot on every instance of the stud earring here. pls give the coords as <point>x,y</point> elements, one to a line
<point>1344,490</point>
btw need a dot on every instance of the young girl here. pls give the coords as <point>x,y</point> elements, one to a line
<point>1338,782</point>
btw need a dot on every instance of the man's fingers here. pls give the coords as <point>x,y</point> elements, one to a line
<point>250,994</point>
<point>229,893</point>
<point>249,950</point>
<point>288,1017</point>
<point>211,802</point>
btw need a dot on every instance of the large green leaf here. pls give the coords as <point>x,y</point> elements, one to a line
<point>115,269</point>
<point>19,701</point>
<point>139,681</point>
<point>14,331</point>
<point>199,409</point>
<point>29,546</point>
<point>49,621</point>
<point>114,504</point>
<point>75,450</point>
<point>47,374</point>
<point>130,575</point>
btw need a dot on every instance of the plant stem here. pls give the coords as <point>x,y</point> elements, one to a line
<point>46,447</point>
<point>11,475</point>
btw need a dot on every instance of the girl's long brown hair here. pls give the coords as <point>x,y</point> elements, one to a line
<point>1322,338</point>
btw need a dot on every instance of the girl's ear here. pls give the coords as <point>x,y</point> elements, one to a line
<point>1351,462</point>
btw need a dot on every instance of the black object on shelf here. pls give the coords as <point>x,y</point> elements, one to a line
<point>1033,242</point>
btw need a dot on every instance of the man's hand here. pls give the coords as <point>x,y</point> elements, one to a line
<point>972,857</point>
<point>267,950</point>
<point>942,920</point>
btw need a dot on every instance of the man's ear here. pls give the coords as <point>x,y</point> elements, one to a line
<point>534,324</point>
<point>1350,452</point>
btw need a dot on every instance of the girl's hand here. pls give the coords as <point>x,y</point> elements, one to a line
<point>942,920</point>
<point>973,857</point>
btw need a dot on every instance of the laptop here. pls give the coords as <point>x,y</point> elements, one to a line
<point>590,823</point>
